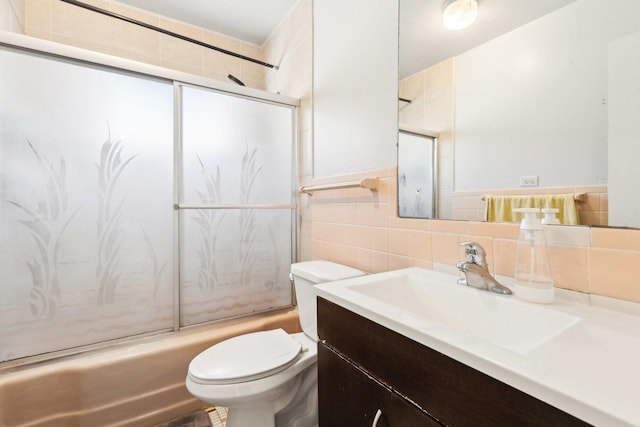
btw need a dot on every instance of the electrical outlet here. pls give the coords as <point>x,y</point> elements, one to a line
<point>529,181</point>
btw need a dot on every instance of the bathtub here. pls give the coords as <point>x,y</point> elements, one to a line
<point>137,384</point>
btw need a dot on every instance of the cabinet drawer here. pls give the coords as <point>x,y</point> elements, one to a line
<point>450,391</point>
<point>348,396</point>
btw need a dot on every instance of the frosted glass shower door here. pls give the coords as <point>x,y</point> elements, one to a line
<point>236,194</point>
<point>416,175</point>
<point>86,219</point>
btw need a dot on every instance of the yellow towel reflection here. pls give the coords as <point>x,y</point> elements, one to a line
<point>499,208</point>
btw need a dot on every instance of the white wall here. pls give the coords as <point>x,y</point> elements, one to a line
<point>534,101</point>
<point>355,85</point>
<point>12,14</point>
<point>624,131</point>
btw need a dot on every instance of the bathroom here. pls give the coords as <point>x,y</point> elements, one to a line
<point>358,228</point>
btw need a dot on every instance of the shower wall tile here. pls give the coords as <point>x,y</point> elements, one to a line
<point>569,266</point>
<point>419,245</point>
<point>147,43</point>
<point>218,66</point>
<point>410,223</point>
<point>380,214</point>
<point>380,239</point>
<point>180,55</point>
<point>13,15</point>
<point>337,233</point>
<point>397,262</point>
<point>610,275</point>
<point>568,235</point>
<point>493,229</point>
<point>458,227</point>
<point>305,160</point>
<point>349,235</point>
<point>250,71</point>
<point>412,88</point>
<point>289,47</point>
<point>504,256</point>
<point>305,121</point>
<point>379,262</point>
<point>5,16</point>
<point>445,248</point>
<point>616,238</point>
<point>145,49</point>
<point>398,242</point>
<point>364,237</point>
<point>364,214</point>
<point>78,27</point>
<point>365,259</point>
<point>301,21</point>
<point>589,260</point>
<point>64,23</point>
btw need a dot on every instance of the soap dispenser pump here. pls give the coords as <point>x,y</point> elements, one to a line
<point>550,216</point>
<point>533,280</point>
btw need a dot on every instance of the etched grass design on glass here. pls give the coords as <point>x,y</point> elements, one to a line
<point>248,227</point>
<point>236,249</point>
<point>109,222</point>
<point>277,262</point>
<point>157,269</point>
<point>47,223</point>
<point>208,221</point>
<point>83,220</point>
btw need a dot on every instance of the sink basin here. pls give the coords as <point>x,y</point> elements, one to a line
<point>435,298</point>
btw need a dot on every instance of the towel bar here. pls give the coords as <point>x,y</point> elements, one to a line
<point>578,197</point>
<point>369,183</point>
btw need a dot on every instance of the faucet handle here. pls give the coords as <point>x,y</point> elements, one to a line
<point>474,253</point>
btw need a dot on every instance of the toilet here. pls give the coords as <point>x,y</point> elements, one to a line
<point>269,378</point>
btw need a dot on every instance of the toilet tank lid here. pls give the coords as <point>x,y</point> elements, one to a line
<point>324,271</point>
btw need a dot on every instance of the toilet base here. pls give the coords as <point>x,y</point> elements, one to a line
<point>301,411</point>
<point>255,415</point>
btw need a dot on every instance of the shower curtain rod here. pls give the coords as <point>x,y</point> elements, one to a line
<point>163,31</point>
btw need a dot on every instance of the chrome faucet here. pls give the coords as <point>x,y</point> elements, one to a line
<point>476,271</point>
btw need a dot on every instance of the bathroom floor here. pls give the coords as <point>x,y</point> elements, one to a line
<point>218,416</point>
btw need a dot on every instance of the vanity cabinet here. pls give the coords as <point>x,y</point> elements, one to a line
<point>355,399</point>
<point>363,367</point>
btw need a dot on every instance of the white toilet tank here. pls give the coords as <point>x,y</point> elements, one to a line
<point>308,274</point>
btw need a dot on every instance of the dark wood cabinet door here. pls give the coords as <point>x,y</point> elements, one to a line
<point>448,390</point>
<point>348,396</point>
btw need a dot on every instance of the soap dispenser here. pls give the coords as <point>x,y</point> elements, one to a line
<point>550,216</point>
<point>533,280</point>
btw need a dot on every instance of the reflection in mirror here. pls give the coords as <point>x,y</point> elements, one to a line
<point>535,102</point>
<point>416,175</point>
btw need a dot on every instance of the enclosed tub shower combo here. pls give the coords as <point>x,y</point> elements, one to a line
<point>135,200</point>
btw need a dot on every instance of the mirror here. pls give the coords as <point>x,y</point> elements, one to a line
<point>530,111</point>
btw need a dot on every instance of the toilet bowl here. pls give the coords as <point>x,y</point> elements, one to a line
<point>269,378</point>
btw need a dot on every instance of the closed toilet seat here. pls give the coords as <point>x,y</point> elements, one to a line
<point>245,358</point>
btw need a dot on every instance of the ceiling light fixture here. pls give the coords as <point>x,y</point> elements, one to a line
<point>459,14</point>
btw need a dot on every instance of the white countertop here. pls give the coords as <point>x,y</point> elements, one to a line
<point>590,370</point>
